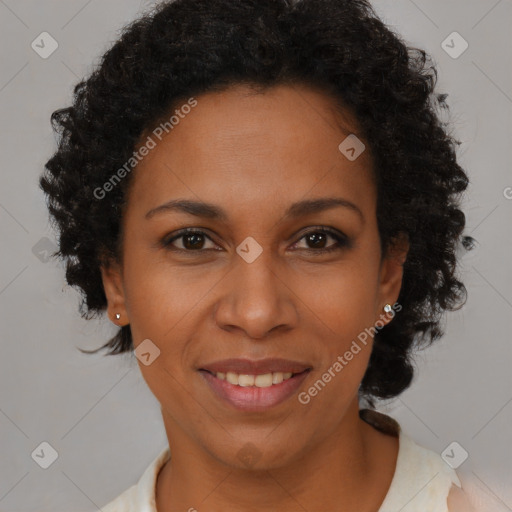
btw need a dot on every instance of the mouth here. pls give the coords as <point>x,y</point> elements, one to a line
<point>254,392</point>
<point>264,380</point>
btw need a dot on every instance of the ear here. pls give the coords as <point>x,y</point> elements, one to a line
<point>112,278</point>
<point>391,272</point>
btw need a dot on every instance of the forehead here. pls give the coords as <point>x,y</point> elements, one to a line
<point>237,143</point>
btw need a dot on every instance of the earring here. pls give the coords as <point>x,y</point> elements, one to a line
<point>118,316</point>
<point>388,308</point>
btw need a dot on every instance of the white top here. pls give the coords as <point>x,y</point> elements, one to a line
<point>421,482</point>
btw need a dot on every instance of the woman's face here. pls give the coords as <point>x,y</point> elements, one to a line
<point>254,283</point>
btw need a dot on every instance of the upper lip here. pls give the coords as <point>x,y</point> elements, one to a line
<point>256,367</point>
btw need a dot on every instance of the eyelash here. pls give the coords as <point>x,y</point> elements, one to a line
<point>342,241</point>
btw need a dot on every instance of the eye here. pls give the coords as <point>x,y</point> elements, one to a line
<point>194,240</point>
<point>318,239</point>
<point>191,240</point>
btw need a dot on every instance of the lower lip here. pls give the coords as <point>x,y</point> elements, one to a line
<point>252,398</point>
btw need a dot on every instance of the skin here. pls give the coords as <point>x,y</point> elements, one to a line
<point>253,155</point>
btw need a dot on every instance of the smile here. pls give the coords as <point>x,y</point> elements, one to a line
<point>252,393</point>
<point>260,381</point>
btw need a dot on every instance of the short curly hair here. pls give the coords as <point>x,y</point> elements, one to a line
<point>187,47</point>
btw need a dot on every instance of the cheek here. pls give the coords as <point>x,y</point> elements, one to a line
<point>165,304</point>
<point>342,297</point>
<point>344,320</point>
<point>342,305</point>
<point>160,296</point>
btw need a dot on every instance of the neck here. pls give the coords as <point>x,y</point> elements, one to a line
<point>334,474</point>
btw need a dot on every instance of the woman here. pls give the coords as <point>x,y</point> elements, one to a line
<point>262,197</point>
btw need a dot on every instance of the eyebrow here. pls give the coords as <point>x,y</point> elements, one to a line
<point>211,211</point>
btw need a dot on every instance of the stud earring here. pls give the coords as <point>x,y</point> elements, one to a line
<point>388,308</point>
<point>118,316</point>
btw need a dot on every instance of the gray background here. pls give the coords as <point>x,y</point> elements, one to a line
<point>97,412</point>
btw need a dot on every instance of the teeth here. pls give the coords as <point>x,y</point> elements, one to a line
<point>246,380</point>
<point>277,378</point>
<point>260,381</point>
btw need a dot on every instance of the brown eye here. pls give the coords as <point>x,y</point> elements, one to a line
<point>191,240</point>
<point>317,241</point>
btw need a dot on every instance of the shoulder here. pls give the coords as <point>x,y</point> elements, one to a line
<point>422,479</point>
<point>458,501</point>
<point>141,496</point>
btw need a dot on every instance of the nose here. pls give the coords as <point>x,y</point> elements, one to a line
<point>257,298</point>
